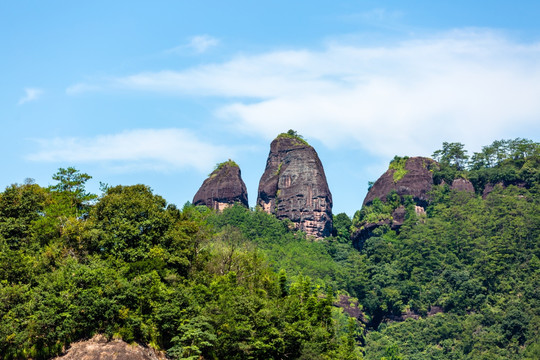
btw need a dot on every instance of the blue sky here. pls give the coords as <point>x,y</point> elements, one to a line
<point>158,93</point>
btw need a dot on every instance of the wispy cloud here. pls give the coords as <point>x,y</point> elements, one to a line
<point>201,43</point>
<point>81,88</point>
<point>141,149</point>
<point>406,98</point>
<point>380,18</point>
<point>31,94</point>
<point>376,16</point>
<point>198,44</point>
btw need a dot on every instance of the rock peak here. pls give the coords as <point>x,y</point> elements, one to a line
<point>294,185</point>
<point>407,176</point>
<point>223,187</point>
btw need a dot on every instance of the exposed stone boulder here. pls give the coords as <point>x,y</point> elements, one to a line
<point>223,187</point>
<point>98,348</point>
<point>461,184</point>
<point>294,186</point>
<point>407,176</point>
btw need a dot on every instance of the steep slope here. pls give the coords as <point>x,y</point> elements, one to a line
<point>222,188</point>
<point>294,186</point>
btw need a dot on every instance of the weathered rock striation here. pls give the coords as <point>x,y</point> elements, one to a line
<point>413,178</point>
<point>294,186</point>
<point>223,187</point>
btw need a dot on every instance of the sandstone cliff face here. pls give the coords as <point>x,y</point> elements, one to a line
<point>294,186</point>
<point>416,181</point>
<point>222,188</point>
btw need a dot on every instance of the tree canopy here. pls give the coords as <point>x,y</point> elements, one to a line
<point>458,282</point>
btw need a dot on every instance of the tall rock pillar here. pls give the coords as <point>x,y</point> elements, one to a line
<point>294,186</point>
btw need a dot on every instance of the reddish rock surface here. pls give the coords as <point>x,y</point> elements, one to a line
<point>98,348</point>
<point>294,187</point>
<point>461,184</point>
<point>417,182</point>
<point>222,188</point>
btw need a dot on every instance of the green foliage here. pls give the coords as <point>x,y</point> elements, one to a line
<point>220,166</point>
<point>132,221</point>
<point>192,282</point>
<point>398,165</point>
<point>473,259</point>
<point>504,161</point>
<point>20,207</point>
<point>453,155</point>
<point>278,171</point>
<point>376,212</point>
<point>342,228</point>
<point>71,186</point>
<point>291,134</point>
<point>242,284</point>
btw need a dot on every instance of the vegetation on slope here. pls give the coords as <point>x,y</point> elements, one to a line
<point>291,134</point>
<point>133,267</point>
<point>460,283</point>
<point>398,165</point>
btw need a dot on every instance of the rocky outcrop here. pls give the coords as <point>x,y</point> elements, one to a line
<point>461,184</point>
<point>223,187</point>
<point>294,186</point>
<point>413,177</point>
<point>99,348</point>
<point>405,176</point>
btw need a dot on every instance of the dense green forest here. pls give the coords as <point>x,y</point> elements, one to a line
<point>461,281</point>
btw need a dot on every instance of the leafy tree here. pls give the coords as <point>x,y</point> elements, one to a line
<point>71,185</point>
<point>342,228</point>
<point>453,155</point>
<point>20,207</point>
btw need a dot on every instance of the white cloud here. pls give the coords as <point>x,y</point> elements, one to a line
<point>31,94</point>
<point>142,149</point>
<point>470,85</point>
<point>81,88</point>
<point>199,44</point>
<point>378,17</point>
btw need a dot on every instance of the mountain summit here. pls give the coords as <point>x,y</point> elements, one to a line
<point>294,186</point>
<point>223,187</point>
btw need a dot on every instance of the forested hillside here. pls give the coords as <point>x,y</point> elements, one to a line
<point>460,281</point>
